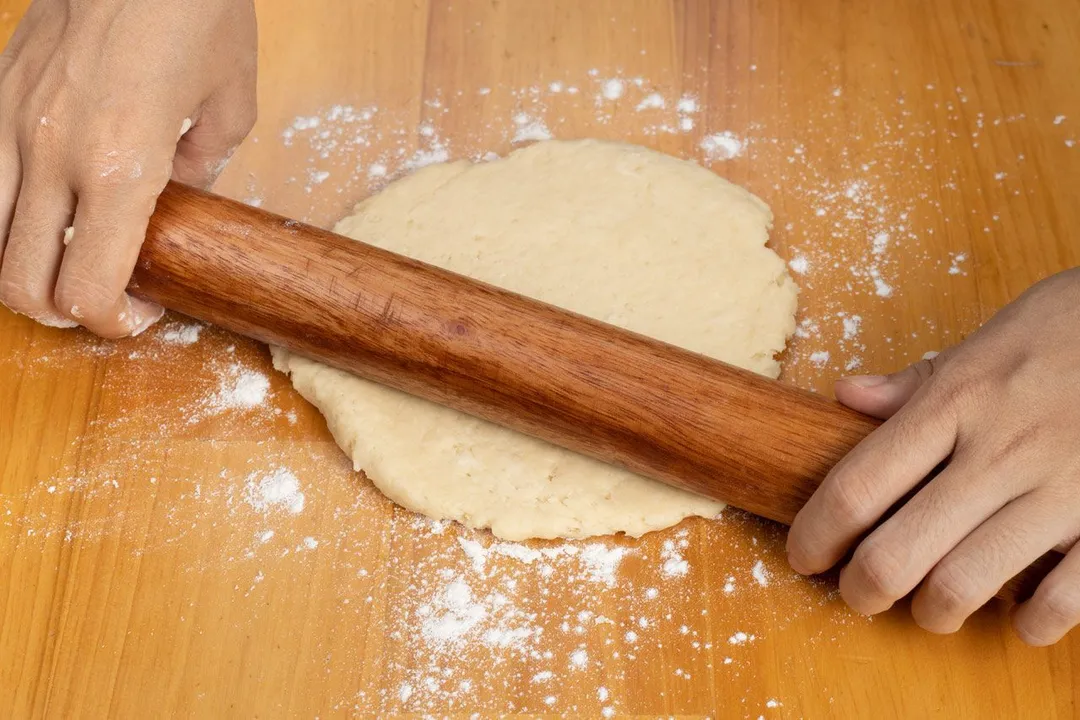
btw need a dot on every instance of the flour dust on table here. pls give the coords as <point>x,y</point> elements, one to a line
<point>626,235</point>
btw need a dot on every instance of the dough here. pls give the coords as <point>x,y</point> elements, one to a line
<point>618,232</point>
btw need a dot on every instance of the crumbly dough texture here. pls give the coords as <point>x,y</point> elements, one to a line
<point>624,234</point>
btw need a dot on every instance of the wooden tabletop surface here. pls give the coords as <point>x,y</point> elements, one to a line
<point>179,537</point>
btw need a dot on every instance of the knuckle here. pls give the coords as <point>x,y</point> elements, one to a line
<point>957,391</point>
<point>851,499</point>
<point>14,296</point>
<point>83,299</point>
<point>880,569</point>
<point>1059,603</point>
<point>106,166</point>
<point>1014,441</point>
<point>41,107</point>
<point>114,154</point>
<point>951,590</point>
<point>908,430</point>
<point>1028,636</point>
<point>949,390</point>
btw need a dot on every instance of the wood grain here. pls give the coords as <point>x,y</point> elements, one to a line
<point>157,594</point>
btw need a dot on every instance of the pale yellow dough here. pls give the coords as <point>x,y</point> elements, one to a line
<point>623,234</point>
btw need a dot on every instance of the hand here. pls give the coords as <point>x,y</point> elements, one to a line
<point>101,101</point>
<point>1002,411</point>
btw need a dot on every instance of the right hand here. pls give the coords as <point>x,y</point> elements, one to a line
<point>94,97</point>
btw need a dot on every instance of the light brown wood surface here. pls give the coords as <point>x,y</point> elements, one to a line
<point>138,575</point>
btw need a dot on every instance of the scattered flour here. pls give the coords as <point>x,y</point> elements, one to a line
<point>431,156</point>
<point>740,638</point>
<point>278,489</point>
<point>675,565</point>
<point>453,614</point>
<point>530,129</point>
<point>722,146</point>
<point>881,288</point>
<point>613,89</point>
<point>181,334</point>
<point>852,325</point>
<point>760,574</point>
<point>957,259</point>
<point>306,123</point>
<point>241,389</point>
<point>599,562</point>
<point>652,101</point>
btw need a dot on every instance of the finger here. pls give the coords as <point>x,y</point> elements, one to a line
<point>114,208</point>
<point>205,148</point>
<point>896,556</point>
<point>1054,609</point>
<point>881,469</point>
<point>35,247</point>
<point>1016,536</point>
<point>883,395</point>
<point>10,180</point>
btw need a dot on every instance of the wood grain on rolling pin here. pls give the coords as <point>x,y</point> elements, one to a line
<point>658,410</point>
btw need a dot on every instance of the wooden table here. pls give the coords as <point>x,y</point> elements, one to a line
<point>922,175</point>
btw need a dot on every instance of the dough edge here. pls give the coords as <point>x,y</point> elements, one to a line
<point>324,387</point>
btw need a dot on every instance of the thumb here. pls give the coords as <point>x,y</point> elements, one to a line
<point>881,396</point>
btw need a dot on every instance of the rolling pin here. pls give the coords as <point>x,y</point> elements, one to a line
<point>658,410</point>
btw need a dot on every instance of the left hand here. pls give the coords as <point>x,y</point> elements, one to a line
<point>1002,411</point>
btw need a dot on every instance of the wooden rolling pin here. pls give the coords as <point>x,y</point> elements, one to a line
<point>658,410</point>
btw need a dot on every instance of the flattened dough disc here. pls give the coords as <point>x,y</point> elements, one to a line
<point>617,232</point>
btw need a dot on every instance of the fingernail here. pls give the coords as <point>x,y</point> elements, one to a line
<point>866,381</point>
<point>930,355</point>
<point>144,315</point>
